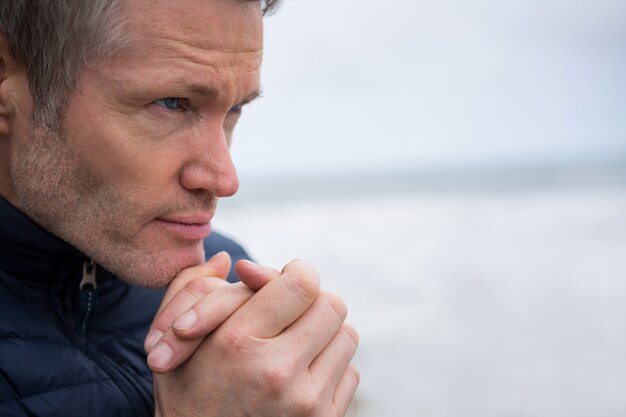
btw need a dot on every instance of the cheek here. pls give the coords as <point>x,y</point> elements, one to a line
<point>121,151</point>
<point>127,161</point>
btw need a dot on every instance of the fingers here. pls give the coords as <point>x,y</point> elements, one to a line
<point>253,275</point>
<point>218,267</point>
<point>325,342</point>
<point>213,309</point>
<point>188,287</point>
<point>186,297</point>
<point>196,310</point>
<point>330,364</point>
<point>189,331</point>
<point>293,318</point>
<point>279,303</point>
<point>313,331</point>
<point>345,390</point>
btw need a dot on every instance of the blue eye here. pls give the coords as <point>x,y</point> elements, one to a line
<point>170,103</point>
<point>236,108</point>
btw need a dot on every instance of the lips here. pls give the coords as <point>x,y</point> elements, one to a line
<point>199,218</point>
<point>186,227</point>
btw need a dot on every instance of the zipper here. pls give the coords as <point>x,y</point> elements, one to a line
<point>139,400</point>
<point>88,295</point>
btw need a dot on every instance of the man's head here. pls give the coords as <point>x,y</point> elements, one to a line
<point>116,120</point>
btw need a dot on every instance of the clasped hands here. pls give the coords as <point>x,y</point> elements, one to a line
<point>271,345</point>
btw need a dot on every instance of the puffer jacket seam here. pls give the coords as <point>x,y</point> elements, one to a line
<point>56,388</point>
<point>13,392</point>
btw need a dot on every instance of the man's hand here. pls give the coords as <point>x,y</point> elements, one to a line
<point>197,301</point>
<point>285,351</point>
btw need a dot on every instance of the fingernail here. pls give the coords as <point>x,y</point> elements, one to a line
<point>161,356</point>
<point>218,255</point>
<point>186,321</point>
<point>152,339</point>
<point>252,264</point>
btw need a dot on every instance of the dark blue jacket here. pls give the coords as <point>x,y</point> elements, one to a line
<point>67,352</point>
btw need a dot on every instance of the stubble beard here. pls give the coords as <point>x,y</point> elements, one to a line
<point>62,194</point>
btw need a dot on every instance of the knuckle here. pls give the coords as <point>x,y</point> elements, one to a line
<point>352,333</point>
<point>202,286</point>
<point>336,303</point>
<point>354,372</point>
<point>275,380</point>
<point>305,284</point>
<point>231,341</point>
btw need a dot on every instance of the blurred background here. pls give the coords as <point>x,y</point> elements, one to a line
<point>456,169</point>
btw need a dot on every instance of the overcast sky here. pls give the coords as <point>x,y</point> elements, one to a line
<point>364,84</point>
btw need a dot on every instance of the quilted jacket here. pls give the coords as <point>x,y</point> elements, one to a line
<point>67,351</point>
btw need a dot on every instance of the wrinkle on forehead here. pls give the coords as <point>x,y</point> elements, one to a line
<point>179,50</point>
<point>229,26</point>
<point>214,43</point>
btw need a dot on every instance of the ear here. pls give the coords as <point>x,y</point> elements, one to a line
<point>13,83</point>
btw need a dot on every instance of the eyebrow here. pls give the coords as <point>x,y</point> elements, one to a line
<point>208,92</point>
<point>251,97</point>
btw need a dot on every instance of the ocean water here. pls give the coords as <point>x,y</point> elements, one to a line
<point>472,301</point>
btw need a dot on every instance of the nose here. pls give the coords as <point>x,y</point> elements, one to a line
<point>210,168</point>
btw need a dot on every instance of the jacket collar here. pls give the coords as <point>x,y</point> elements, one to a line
<point>30,253</point>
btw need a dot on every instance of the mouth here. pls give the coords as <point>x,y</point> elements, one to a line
<point>186,227</point>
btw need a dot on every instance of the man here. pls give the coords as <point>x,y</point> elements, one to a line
<point>116,118</point>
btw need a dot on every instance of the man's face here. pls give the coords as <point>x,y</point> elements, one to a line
<point>133,178</point>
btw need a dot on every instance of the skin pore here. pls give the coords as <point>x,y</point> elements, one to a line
<point>133,177</point>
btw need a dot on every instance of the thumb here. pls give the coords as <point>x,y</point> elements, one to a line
<point>253,275</point>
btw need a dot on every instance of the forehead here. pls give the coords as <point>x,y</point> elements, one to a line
<point>227,25</point>
<point>212,43</point>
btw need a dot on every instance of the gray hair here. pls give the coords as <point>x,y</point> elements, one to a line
<point>54,39</point>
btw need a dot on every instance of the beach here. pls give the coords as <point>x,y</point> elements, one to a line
<point>469,302</point>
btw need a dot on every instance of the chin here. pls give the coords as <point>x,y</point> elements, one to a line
<point>153,270</point>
